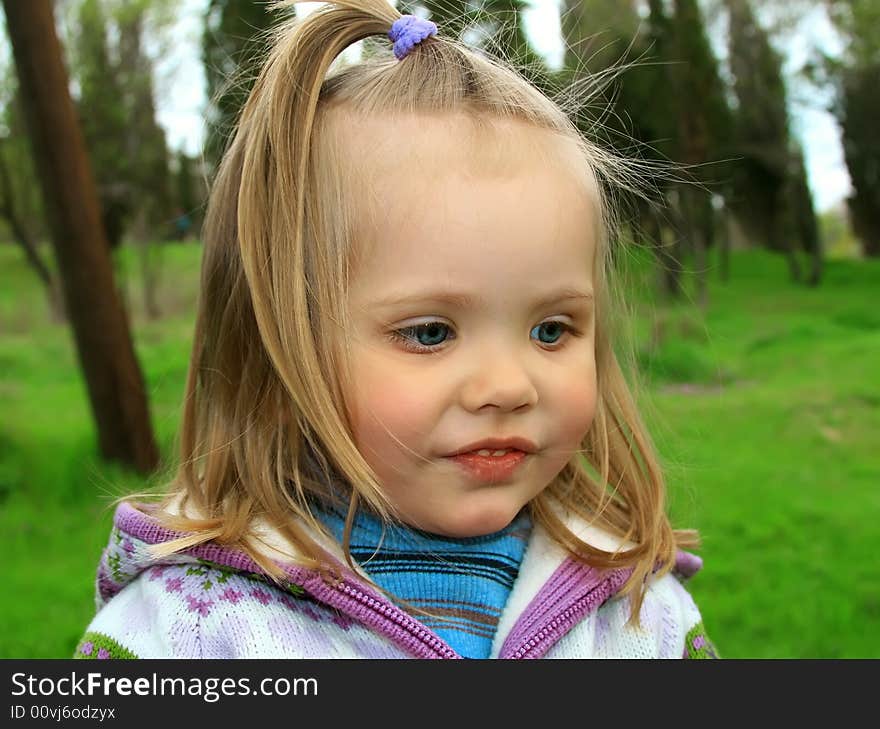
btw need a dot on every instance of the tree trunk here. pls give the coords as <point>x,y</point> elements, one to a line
<point>671,248</point>
<point>867,231</point>
<point>149,259</point>
<point>113,377</point>
<point>794,266</point>
<point>783,231</point>
<point>693,219</point>
<point>724,244</point>
<point>701,270</point>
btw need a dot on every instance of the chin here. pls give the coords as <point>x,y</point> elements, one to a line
<point>477,522</point>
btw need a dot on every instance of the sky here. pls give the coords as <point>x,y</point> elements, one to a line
<point>181,89</point>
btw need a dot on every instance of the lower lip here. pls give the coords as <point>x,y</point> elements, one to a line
<point>490,469</point>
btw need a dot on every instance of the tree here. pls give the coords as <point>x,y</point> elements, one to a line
<point>767,184</point>
<point>117,108</point>
<point>116,101</point>
<point>191,190</point>
<point>858,113</point>
<point>144,147</point>
<point>506,26</point>
<point>104,118</point>
<point>113,377</point>
<point>703,126</point>
<point>600,37</point>
<point>668,106</point>
<point>805,223</point>
<point>144,142</point>
<point>233,42</point>
<point>657,125</point>
<point>856,79</point>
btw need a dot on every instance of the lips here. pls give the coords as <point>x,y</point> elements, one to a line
<point>497,445</point>
<point>490,468</point>
<point>493,460</point>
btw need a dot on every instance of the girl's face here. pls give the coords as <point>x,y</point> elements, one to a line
<point>472,329</point>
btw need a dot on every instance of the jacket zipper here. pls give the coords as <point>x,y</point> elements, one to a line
<point>541,636</point>
<point>392,614</point>
<point>437,645</point>
<point>576,610</point>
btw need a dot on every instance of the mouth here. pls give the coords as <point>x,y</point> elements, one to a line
<point>490,466</point>
<point>497,447</point>
<point>487,452</point>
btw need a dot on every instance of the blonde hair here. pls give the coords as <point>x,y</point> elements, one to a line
<point>264,429</point>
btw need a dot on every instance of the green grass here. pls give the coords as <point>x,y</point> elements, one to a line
<point>55,493</point>
<point>770,433</point>
<point>765,408</point>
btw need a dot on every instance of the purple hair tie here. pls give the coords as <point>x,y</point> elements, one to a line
<point>407,32</point>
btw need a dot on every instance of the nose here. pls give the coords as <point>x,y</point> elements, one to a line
<point>498,380</point>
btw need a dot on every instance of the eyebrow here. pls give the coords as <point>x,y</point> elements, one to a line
<point>464,301</point>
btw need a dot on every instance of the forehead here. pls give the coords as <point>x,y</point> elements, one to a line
<point>418,146</point>
<point>478,209</point>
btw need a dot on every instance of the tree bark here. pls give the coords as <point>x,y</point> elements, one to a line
<point>113,377</point>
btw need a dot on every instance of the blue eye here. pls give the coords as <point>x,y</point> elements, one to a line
<point>549,332</point>
<point>423,337</point>
<point>431,334</point>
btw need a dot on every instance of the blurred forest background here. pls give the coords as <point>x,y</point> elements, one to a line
<point>757,326</point>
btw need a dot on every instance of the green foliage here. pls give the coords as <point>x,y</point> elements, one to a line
<point>116,102</point>
<point>103,113</point>
<point>771,194</point>
<point>859,21</point>
<point>103,117</point>
<point>858,114</point>
<point>602,40</point>
<point>20,195</point>
<point>191,190</point>
<point>855,77</point>
<point>145,146</point>
<point>762,129</point>
<point>704,118</point>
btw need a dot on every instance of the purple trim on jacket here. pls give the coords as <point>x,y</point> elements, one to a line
<point>574,591</point>
<point>687,564</point>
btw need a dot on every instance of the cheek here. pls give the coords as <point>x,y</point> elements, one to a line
<point>577,408</point>
<point>385,407</point>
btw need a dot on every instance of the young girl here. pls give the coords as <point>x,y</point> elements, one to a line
<point>405,433</point>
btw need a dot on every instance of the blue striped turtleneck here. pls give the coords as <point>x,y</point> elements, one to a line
<point>463,583</point>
